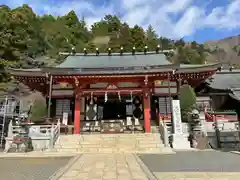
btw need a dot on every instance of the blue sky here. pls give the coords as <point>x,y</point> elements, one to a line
<point>197,20</point>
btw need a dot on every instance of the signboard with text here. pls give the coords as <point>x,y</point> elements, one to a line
<point>176,115</point>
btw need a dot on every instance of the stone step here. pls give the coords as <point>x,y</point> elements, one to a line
<point>142,143</point>
<point>87,144</point>
<point>114,150</point>
<point>110,142</point>
<point>91,137</point>
<point>150,146</point>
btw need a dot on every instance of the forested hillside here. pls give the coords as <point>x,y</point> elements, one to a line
<point>28,40</point>
<point>226,51</point>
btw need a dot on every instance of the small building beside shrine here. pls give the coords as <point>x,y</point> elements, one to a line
<point>89,89</point>
<point>222,91</point>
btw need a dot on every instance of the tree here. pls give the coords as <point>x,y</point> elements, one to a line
<point>194,45</point>
<point>24,36</point>
<point>187,99</point>
<point>113,23</point>
<point>151,38</point>
<point>38,111</point>
<point>165,43</point>
<point>180,42</point>
<point>137,37</point>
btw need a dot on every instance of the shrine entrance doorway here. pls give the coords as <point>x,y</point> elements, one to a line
<point>113,108</point>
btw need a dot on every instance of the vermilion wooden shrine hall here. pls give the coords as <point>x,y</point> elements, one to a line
<point>106,91</point>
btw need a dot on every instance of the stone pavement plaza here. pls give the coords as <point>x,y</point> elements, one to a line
<point>134,167</point>
<point>202,166</point>
<point>116,166</point>
<point>197,176</point>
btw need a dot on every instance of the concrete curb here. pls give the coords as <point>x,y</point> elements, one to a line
<point>145,169</point>
<point>235,152</point>
<point>37,154</point>
<point>59,173</point>
<point>192,150</point>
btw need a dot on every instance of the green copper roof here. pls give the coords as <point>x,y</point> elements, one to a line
<point>115,60</point>
<point>225,80</point>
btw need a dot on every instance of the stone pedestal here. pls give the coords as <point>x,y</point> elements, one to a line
<point>180,142</point>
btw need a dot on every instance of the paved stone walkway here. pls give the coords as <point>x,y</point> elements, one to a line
<point>197,176</point>
<point>105,167</point>
<point>201,161</point>
<point>30,168</point>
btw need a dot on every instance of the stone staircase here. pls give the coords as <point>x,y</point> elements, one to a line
<point>112,143</point>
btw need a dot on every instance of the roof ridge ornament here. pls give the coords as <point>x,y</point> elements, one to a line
<point>109,52</point>
<point>73,51</point>
<point>158,49</point>
<point>145,49</point>
<point>85,51</point>
<point>97,52</point>
<point>220,68</point>
<point>121,51</point>
<point>133,50</point>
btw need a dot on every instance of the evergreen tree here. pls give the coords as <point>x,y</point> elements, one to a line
<point>26,36</point>
<point>151,38</point>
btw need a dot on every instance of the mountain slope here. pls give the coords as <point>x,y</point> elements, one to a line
<point>226,51</point>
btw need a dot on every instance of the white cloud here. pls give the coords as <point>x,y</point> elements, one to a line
<point>225,17</point>
<point>176,6</point>
<point>137,16</point>
<point>129,4</point>
<point>173,18</point>
<point>189,22</point>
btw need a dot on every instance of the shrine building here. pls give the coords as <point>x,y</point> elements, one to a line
<point>109,91</point>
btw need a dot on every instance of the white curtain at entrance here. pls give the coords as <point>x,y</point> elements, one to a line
<point>91,112</point>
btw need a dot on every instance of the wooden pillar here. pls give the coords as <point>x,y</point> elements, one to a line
<point>146,104</point>
<point>77,115</point>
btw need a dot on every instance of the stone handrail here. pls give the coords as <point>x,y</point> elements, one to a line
<point>164,133</point>
<point>50,132</point>
<point>55,132</point>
